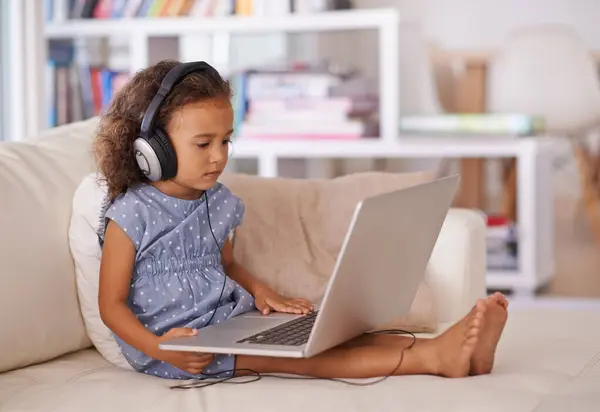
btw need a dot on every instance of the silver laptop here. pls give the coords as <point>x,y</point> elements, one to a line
<point>381,263</point>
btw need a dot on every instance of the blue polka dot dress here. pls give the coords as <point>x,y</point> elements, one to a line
<point>178,275</point>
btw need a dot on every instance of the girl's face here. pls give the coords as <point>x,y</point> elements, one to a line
<point>200,134</point>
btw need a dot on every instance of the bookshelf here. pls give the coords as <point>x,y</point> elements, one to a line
<point>191,33</point>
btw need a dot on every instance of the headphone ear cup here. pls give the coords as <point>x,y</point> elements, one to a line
<point>166,156</point>
<point>147,158</point>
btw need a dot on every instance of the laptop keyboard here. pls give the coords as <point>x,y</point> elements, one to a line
<point>292,333</point>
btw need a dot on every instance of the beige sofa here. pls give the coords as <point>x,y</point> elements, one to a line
<point>548,360</point>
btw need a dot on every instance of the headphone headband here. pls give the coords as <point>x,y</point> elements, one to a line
<point>154,153</point>
<point>173,77</point>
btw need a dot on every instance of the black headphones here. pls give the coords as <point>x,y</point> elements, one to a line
<point>153,150</point>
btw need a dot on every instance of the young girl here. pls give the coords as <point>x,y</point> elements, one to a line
<point>162,269</point>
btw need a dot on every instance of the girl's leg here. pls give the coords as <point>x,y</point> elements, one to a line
<point>402,341</point>
<point>446,355</point>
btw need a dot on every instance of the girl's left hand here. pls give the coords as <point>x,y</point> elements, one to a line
<point>268,300</point>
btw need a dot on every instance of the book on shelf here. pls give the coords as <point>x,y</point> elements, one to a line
<point>473,123</point>
<point>501,244</point>
<point>325,130</point>
<point>76,90</point>
<point>58,10</point>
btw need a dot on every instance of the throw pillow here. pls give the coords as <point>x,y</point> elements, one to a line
<point>293,231</point>
<point>86,251</point>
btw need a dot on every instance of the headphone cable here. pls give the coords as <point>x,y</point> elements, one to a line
<point>219,249</point>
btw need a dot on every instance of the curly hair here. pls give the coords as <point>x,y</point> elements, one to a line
<point>119,127</point>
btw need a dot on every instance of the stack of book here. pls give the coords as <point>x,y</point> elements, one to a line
<point>502,244</point>
<point>303,104</point>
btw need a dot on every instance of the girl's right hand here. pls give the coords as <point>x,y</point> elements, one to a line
<point>192,362</point>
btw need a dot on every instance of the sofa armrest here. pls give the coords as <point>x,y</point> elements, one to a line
<point>457,267</point>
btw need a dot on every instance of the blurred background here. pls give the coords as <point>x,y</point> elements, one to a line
<point>504,92</point>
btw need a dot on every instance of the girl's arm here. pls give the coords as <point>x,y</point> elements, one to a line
<point>266,298</point>
<point>118,258</point>
<point>238,273</point>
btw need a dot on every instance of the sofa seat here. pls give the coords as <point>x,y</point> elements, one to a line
<point>548,360</point>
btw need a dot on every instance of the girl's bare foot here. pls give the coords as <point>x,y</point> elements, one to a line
<point>501,299</point>
<point>496,314</point>
<point>450,353</point>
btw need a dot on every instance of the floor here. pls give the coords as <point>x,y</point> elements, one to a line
<point>577,256</point>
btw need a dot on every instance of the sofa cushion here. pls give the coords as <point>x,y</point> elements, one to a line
<point>292,232</point>
<point>40,316</point>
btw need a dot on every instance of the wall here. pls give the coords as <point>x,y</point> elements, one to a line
<point>4,80</point>
<point>484,24</point>
<point>13,127</point>
<point>453,23</point>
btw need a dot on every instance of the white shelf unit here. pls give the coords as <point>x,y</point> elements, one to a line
<point>534,156</point>
<point>139,31</point>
